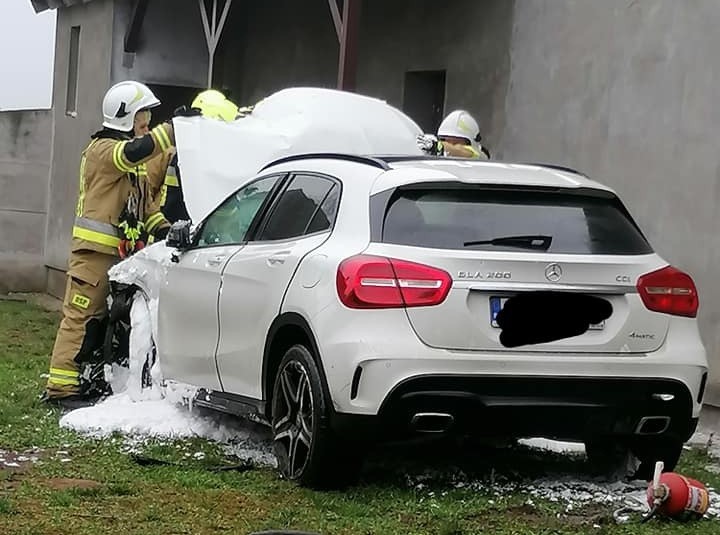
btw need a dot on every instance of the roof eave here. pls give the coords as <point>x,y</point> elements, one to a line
<point>43,5</point>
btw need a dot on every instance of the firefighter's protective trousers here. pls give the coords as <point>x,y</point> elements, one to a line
<point>113,182</point>
<point>81,329</point>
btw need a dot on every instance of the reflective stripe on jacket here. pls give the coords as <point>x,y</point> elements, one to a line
<point>96,232</point>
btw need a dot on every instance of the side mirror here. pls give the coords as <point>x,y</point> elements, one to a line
<point>179,235</point>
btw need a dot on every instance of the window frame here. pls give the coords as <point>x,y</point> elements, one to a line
<point>282,178</point>
<point>262,225</point>
<point>73,71</point>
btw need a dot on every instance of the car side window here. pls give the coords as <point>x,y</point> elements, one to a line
<point>307,205</point>
<point>230,222</point>
<point>325,216</point>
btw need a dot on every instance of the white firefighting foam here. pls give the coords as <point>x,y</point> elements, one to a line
<point>164,410</point>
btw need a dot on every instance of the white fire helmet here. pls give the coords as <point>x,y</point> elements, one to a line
<point>460,123</point>
<point>123,101</point>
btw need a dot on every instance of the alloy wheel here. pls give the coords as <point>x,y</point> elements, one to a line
<point>293,417</point>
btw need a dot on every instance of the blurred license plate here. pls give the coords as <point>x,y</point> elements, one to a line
<point>496,304</point>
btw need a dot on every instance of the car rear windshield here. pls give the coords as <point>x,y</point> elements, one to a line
<point>460,218</point>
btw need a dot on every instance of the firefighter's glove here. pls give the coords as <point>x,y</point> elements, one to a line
<point>130,232</point>
<point>429,144</point>
<point>184,111</point>
<point>244,111</point>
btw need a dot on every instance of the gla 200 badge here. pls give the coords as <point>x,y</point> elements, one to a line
<point>476,275</point>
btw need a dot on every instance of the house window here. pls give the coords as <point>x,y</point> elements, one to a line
<point>72,75</point>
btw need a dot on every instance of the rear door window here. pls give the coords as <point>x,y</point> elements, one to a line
<point>307,205</point>
<point>460,218</point>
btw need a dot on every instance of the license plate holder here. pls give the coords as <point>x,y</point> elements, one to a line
<point>498,302</point>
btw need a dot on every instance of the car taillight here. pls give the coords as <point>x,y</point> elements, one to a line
<point>669,290</point>
<point>366,281</point>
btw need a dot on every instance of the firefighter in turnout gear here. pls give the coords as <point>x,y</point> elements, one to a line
<point>211,104</point>
<point>458,135</point>
<point>114,217</point>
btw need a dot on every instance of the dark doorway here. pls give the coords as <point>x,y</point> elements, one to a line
<point>424,98</point>
<point>171,97</point>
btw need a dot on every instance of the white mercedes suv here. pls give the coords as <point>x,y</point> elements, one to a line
<point>348,299</point>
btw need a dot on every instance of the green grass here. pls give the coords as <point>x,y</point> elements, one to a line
<point>102,490</point>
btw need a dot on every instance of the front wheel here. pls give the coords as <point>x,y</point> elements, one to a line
<point>129,344</point>
<point>307,450</point>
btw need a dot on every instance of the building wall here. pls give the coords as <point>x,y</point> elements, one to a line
<point>25,154</point>
<point>172,48</point>
<point>72,133</point>
<point>270,46</point>
<point>628,93</point>
<point>467,38</point>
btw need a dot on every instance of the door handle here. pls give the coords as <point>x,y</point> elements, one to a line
<point>216,260</point>
<point>278,258</point>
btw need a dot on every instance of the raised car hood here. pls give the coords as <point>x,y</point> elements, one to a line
<point>216,158</point>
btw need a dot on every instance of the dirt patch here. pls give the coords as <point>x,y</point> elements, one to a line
<point>62,483</point>
<point>17,462</point>
<point>45,301</point>
<point>9,484</point>
<point>591,514</point>
<point>526,512</point>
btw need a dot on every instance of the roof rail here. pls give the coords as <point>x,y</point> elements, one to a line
<point>368,160</point>
<point>391,158</point>
<point>557,168</point>
<point>419,157</point>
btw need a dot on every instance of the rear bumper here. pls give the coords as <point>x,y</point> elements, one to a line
<point>563,408</point>
<point>367,356</point>
<point>375,364</point>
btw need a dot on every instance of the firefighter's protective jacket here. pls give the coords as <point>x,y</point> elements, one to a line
<point>114,189</point>
<point>464,151</point>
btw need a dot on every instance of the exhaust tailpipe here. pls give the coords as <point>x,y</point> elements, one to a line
<point>652,425</point>
<point>432,422</point>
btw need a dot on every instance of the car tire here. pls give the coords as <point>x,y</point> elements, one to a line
<point>307,450</point>
<point>611,459</point>
<point>620,460</point>
<point>667,450</point>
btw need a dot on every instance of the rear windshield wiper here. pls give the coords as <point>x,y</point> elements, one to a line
<point>524,242</point>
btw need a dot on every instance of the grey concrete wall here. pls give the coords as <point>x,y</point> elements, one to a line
<point>172,48</point>
<point>278,44</point>
<point>628,92</point>
<point>72,134</point>
<point>269,46</point>
<point>25,154</point>
<point>467,38</point>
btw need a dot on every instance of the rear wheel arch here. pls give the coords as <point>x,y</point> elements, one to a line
<point>287,330</point>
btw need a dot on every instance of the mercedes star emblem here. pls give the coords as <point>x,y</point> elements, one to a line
<point>553,272</point>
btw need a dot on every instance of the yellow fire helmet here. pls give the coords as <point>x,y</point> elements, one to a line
<point>214,105</point>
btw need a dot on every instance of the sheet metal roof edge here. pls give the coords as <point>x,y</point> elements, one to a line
<point>43,5</point>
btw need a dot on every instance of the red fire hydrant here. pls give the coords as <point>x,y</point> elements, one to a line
<point>674,496</point>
